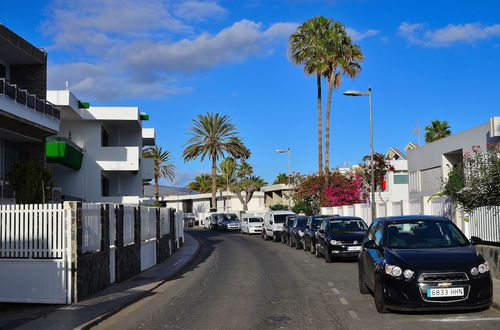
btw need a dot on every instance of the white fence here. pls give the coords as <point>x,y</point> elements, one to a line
<point>164,221</point>
<point>35,254</point>
<point>148,237</point>
<point>128,224</point>
<point>485,223</point>
<point>91,223</point>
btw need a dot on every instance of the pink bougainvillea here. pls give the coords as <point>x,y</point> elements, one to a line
<point>344,189</point>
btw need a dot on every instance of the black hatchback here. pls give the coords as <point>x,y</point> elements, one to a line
<point>413,263</point>
<point>340,237</point>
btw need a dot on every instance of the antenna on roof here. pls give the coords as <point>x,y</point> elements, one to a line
<point>417,131</point>
<point>67,85</point>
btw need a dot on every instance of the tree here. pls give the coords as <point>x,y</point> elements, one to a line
<point>342,58</point>
<point>306,46</point>
<point>163,166</point>
<point>212,137</point>
<point>247,183</point>
<point>381,167</point>
<point>30,181</point>
<point>228,172</point>
<point>202,184</point>
<point>437,130</point>
<point>281,178</point>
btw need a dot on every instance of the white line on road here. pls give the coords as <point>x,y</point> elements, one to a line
<point>343,301</point>
<point>335,290</point>
<point>354,316</point>
<point>464,319</point>
<point>330,283</point>
<point>178,261</point>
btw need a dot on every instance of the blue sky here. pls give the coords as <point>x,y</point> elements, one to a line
<point>175,59</point>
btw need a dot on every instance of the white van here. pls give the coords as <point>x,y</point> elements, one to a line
<point>273,224</point>
<point>251,224</point>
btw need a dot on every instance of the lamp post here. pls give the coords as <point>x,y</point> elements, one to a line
<point>282,151</point>
<point>369,94</point>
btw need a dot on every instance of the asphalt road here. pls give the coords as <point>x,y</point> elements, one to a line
<point>244,282</point>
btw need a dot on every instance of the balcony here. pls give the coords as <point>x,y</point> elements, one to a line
<point>59,150</point>
<point>117,158</point>
<point>21,96</point>
<point>148,136</point>
<point>147,168</point>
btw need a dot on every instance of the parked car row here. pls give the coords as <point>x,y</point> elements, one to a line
<point>408,263</point>
<point>222,221</point>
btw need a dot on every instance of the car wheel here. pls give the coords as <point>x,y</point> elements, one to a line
<point>378,297</point>
<point>311,248</point>
<point>304,246</point>
<point>318,255</point>
<point>282,238</point>
<point>298,245</point>
<point>328,257</point>
<point>290,242</point>
<point>363,289</point>
<point>275,237</point>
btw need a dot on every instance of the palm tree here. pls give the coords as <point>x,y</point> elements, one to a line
<point>227,172</point>
<point>212,137</point>
<point>437,130</point>
<point>343,58</point>
<point>163,166</point>
<point>202,184</point>
<point>307,47</point>
<point>281,178</point>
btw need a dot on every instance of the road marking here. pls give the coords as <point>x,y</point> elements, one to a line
<point>353,315</point>
<point>335,290</point>
<point>343,301</point>
<point>464,319</point>
<point>330,283</point>
<point>178,261</point>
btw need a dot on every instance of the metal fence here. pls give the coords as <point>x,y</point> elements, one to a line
<point>91,227</point>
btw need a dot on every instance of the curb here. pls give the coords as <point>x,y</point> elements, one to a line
<point>143,294</point>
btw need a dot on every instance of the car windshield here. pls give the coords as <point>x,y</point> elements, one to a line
<point>255,220</point>
<point>301,221</point>
<point>347,225</point>
<point>229,217</point>
<point>280,218</point>
<point>424,234</point>
<point>316,223</point>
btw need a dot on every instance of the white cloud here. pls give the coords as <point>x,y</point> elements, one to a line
<point>449,35</point>
<point>132,48</point>
<point>357,36</point>
<point>198,10</point>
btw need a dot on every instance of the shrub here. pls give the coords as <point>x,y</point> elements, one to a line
<point>30,181</point>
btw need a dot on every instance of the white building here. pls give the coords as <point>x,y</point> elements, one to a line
<point>97,154</point>
<point>430,163</point>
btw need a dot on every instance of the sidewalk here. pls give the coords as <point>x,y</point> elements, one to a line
<point>496,294</point>
<point>91,311</point>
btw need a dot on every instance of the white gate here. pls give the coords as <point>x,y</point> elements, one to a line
<point>148,237</point>
<point>112,247</point>
<point>35,254</point>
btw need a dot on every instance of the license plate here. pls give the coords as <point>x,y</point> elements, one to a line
<point>354,248</point>
<point>445,292</point>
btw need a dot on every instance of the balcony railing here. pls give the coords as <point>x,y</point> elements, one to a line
<point>22,97</point>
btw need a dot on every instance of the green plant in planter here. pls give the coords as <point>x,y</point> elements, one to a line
<point>30,181</point>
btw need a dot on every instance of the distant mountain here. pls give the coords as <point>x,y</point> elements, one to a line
<point>149,190</point>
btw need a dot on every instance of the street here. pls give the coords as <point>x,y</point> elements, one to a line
<point>240,281</point>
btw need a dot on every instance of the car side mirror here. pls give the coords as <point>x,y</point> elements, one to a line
<point>370,245</point>
<point>270,222</point>
<point>321,231</point>
<point>476,240</point>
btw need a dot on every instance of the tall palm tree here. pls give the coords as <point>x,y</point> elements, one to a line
<point>163,165</point>
<point>343,58</point>
<point>212,137</point>
<point>201,183</point>
<point>228,172</point>
<point>306,46</point>
<point>437,130</point>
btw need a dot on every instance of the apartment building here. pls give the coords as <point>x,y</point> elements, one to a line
<point>97,154</point>
<point>430,163</point>
<point>26,117</point>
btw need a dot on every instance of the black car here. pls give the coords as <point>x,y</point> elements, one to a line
<point>297,232</point>
<point>313,224</point>
<point>340,237</point>
<point>285,233</point>
<point>422,263</point>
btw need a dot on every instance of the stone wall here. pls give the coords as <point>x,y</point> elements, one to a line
<point>492,255</point>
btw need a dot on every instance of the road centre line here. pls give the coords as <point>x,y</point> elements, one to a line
<point>335,290</point>
<point>463,319</point>
<point>343,301</point>
<point>354,316</point>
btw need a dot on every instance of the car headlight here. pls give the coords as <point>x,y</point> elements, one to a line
<point>396,271</point>
<point>301,233</point>
<point>484,267</point>
<point>334,242</point>
<point>474,271</point>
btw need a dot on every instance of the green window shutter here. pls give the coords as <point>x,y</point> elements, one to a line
<point>400,179</point>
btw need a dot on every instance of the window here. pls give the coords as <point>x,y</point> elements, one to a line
<point>104,186</point>
<point>378,234</point>
<point>104,137</point>
<point>400,179</point>
<point>414,181</point>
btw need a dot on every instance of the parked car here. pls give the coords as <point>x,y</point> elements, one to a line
<point>423,263</point>
<point>310,232</point>
<point>340,237</point>
<point>206,223</point>
<point>273,224</point>
<point>228,221</point>
<point>214,221</point>
<point>297,232</point>
<point>285,231</point>
<point>251,224</point>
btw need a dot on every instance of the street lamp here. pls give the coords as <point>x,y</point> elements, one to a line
<point>282,151</point>
<point>369,94</point>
